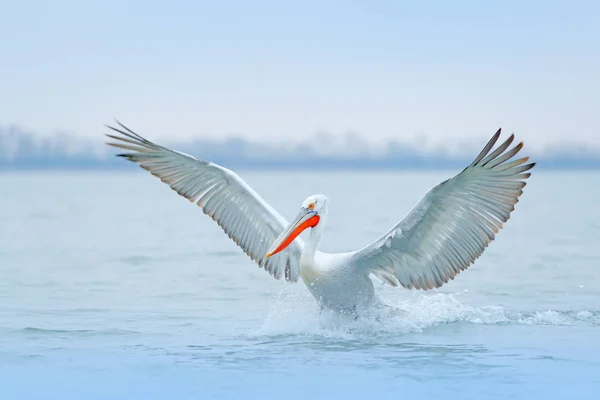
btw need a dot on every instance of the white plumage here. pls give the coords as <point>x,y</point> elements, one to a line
<point>244,216</point>
<point>443,235</point>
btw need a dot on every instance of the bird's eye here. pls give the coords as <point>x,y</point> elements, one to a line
<point>311,206</point>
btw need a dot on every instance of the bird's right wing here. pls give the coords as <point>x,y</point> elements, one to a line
<point>221,194</point>
<point>452,225</point>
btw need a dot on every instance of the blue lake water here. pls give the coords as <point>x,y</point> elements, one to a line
<point>113,286</point>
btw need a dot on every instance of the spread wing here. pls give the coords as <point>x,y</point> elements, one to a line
<point>221,194</point>
<point>452,225</point>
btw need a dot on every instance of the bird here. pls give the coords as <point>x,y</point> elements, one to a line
<point>443,235</point>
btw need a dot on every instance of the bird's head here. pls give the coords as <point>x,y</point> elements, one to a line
<point>312,210</point>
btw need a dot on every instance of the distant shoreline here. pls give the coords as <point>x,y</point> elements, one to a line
<point>118,165</point>
<point>24,151</point>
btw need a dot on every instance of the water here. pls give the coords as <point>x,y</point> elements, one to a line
<point>113,286</point>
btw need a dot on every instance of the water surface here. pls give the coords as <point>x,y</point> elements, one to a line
<point>113,286</point>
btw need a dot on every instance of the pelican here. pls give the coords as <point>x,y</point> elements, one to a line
<point>445,233</point>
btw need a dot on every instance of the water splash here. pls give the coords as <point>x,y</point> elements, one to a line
<point>298,314</point>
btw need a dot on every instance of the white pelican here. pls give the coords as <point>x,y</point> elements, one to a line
<point>443,235</point>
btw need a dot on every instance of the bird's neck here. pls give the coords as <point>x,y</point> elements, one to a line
<point>309,270</point>
<point>314,240</point>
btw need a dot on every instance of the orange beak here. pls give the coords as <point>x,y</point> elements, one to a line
<point>306,219</point>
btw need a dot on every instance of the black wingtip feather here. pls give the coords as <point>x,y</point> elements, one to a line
<point>487,148</point>
<point>126,128</point>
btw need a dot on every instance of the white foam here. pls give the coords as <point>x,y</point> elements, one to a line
<point>298,314</point>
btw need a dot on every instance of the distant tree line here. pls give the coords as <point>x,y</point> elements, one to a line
<point>20,149</point>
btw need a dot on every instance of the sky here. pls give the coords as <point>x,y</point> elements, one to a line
<point>282,70</point>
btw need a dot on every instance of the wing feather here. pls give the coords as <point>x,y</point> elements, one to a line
<point>241,213</point>
<point>452,225</point>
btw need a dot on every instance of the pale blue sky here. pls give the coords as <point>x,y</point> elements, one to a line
<point>267,69</point>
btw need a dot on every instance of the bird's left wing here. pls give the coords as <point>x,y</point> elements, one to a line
<point>221,194</point>
<point>452,225</point>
